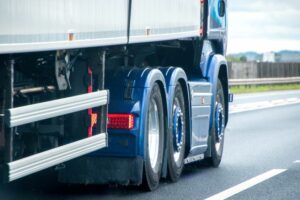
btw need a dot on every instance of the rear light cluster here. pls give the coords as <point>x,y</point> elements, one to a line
<point>93,116</point>
<point>120,121</point>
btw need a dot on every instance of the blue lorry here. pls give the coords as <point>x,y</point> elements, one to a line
<point>117,91</point>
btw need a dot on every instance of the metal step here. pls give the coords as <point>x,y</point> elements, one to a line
<point>36,112</point>
<point>193,158</point>
<point>23,167</point>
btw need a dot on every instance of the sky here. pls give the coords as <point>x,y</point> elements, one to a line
<point>263,25</point>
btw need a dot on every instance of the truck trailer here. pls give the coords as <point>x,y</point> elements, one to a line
<point>118,91</point>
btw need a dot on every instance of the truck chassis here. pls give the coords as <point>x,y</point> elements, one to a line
<point>151,96</point>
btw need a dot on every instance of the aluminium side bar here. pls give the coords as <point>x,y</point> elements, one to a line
<point>36,112</point>
<point>26,166</point>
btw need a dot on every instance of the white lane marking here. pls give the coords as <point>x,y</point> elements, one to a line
<point>296,161</point>
<point>237,108</point>
<point>246,185</point>
<point>292,99</point>
<point>248,96</point>
<point>279,101</point>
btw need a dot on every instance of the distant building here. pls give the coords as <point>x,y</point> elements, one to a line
<point>268,57</point>
<point>289,56</point>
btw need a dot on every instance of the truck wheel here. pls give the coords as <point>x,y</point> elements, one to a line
<point>218,129</point>
<point>153,140</point>
<point>177,136</point>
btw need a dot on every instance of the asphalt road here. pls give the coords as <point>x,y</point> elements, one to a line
<point>257,141</point>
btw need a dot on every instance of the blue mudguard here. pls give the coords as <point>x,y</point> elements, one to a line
<point>129,93</point>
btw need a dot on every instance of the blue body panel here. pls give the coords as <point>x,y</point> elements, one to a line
<point>206,56</point>
<point>200,92</point>
<point>216,22</point>
<point>217,25</point>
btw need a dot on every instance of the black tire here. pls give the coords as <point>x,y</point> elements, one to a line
<point>177,136</point>
<point>153,165</point>
<point>217,131</point>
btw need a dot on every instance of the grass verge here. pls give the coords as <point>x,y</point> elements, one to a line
<point>262,88</point>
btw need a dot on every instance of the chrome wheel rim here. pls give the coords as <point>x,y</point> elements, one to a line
<point>178,131</point>
<point>220,126</point>
<point>153,134</point>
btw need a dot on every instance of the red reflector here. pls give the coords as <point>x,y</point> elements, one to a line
<point>120,121</point>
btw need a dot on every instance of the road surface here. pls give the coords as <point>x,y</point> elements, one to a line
<point>261,161</point>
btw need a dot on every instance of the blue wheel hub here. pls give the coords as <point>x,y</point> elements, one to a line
<point>177,129</point>
<point>220,122</point>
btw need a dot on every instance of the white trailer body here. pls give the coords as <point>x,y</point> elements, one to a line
<point>158,20</point>
<point>41,25</point>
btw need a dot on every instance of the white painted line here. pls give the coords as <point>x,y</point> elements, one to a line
<point>296,161</point>
<point>266,94</point>
<point>259,106</point>
<point>292,99</point>
<point>246,185</point>
<point>276,102</point>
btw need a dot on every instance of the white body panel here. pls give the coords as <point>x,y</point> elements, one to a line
<point>155,20</point>
<point>35,25</point>
<point>40,25</point>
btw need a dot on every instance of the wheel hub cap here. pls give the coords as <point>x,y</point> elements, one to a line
<point>178,131</point>
<point>220,124</point>
<point>153,135</point>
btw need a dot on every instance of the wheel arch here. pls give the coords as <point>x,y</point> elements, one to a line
<point>132,89</point>
<point>143,80</point>
<point>223,76</point>
<point>172,76</point>
<point>154,77</point>
<point>218,69</point>
<point>162,86</point>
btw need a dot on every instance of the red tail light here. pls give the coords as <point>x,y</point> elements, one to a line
<point>120,121</point>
